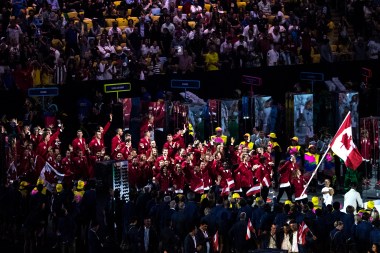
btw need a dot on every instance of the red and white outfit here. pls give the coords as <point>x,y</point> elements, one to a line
<point>285,172</point>
<point>96,145</point>
<point>116,146</point>
<point>298,184</point>
<point>79,144</point>
<point>144,146</point>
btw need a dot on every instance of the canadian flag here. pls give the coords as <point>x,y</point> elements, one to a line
<point>302,231</point>
<point>231,183</point>
<point>343,146</point>
<point>249,230</point>
<point>255,189</point>
<point>215,242</point>
<point>48,169</point>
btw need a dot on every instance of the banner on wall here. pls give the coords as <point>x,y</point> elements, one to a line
<point>197,119</point>
<point>127,108</point>
<point>303,117</point>
<point>230,118</point>
<point>349,101</point>
<point>214,114</point>
<point>263,109</point>
<point>178,115</point>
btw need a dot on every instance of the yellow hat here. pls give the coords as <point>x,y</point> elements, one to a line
<point>315,201</point>
<point>370,204</point>
<point>236,195</point>
<point>272,135</point>
<point>40,181</point>
<point>80,185</point>
<point>59,187</point>
<point>295,138</point>
<point>247,134</point>
<point>311,146</point>
<point>24,183</point>
<point>203,196</point>
<point>288,202</point>
<point>218,129</point>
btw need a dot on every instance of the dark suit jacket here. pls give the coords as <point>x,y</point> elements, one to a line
<point>153,240</point>
<point>237,236</point>
<point>201,240</point>
<point>188,244</point>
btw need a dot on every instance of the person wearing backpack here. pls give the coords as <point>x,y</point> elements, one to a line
<point>337,238</point>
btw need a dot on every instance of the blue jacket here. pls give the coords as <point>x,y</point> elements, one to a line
<point>374,236</point>
<point>348,222</point>
<point>362,232</point>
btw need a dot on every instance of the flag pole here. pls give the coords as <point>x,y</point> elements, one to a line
<point>316,169</point>
<point>323,157</point>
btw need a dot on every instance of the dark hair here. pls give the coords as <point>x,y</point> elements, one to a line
<point>350,209</point>
<point>336,205</point>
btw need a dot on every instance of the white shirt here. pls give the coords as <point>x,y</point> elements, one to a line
<point>225,48</point>
<point>112,31</point>
<point>294,242</point>
<point>285,245</point>
<point>327,198</point>
<point>352,198</point>
<point>195,9</point>
<point>170,27</point>
<point>254,29</point>
<point>238,43</point>
<point>272,57</point>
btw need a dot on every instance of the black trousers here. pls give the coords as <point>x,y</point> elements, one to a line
<point>281,191</point>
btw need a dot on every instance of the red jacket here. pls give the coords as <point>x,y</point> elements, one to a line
<point>178,181</point>
<point>244,175</point>
<point>79,144</point>
<point>67,165</point>
<point>178,138</point>
<point>298,184</point>
<point>195,180</point>
<point>172,148</point>
<point>285,172</point>
<point>164,181</point>
<point>366,148</point>
<point>159,114</point>
<point>96,146</point>
<point>42,150</point>
<point>226,175</point>
<point>134,172</point>
<point>115,143</point>
<point>80,165</point>
<point>144,146</point>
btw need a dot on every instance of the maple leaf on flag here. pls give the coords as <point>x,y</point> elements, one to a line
<point>346,140</point>
<point>343,146</point>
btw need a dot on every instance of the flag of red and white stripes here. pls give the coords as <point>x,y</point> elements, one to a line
<point>254,190</point>
<point>249,230</point>
<point>215,242</point>
<point>302,231</point>
<point>343,145</point>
